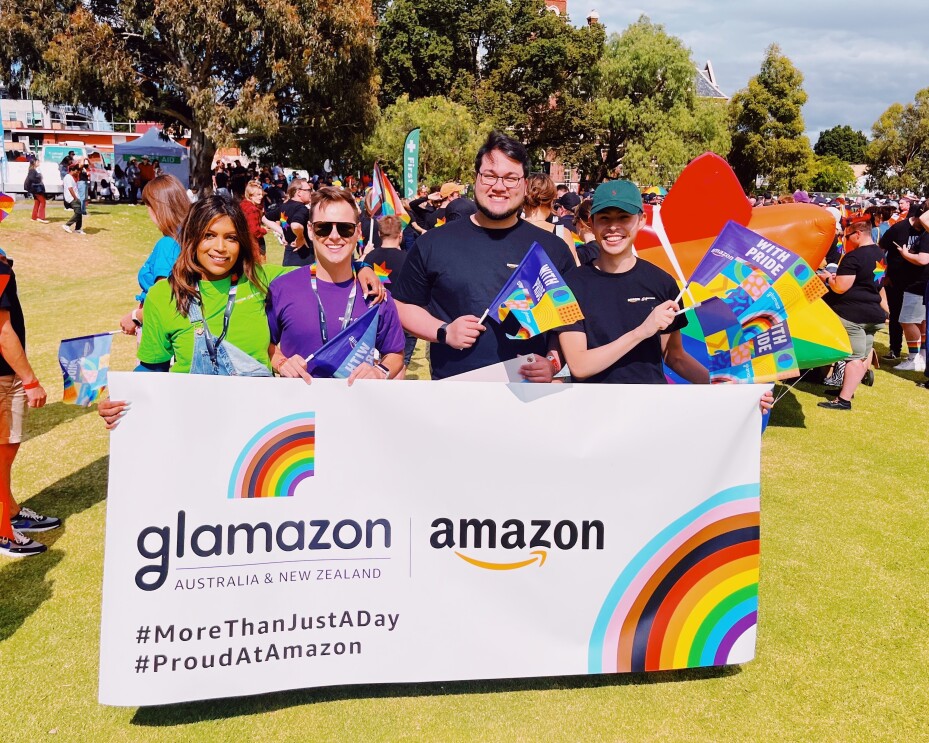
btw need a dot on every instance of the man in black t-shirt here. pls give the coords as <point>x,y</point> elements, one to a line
<point>856,296</point>
<point>631,322</point>
<point>913,308</point>
<point>900,274</point>
<point>298,251</point>
<point>453,274</point>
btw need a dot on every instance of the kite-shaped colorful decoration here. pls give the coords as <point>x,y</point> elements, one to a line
<point>6,206</point>
<point>704,200</point>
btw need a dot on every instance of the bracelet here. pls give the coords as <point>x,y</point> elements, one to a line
<point>31,385</point>
<point>358,265</point>
<point>135,318</point>
<point>381,367</point>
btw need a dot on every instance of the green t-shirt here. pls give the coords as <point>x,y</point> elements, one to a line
<point>167,334</point>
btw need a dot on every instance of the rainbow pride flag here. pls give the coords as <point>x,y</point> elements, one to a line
<point>84,363</point>
<point>534,299</point>
<point>6,206</point>
<point>386,201</point>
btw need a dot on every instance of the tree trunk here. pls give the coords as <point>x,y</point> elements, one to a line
<point>202,151</point>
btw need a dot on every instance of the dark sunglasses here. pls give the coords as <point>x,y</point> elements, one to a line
<point>324,229</point>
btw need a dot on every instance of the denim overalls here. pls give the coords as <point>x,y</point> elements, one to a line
<point>220,358</point>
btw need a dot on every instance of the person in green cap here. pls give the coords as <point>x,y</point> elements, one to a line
<point>630,320</point>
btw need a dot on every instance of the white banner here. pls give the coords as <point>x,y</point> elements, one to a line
<point>264,535</point>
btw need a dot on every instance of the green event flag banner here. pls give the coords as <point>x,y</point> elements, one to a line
<point>411,164</point>
<point>160,158</point>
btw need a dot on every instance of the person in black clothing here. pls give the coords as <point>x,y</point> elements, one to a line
<point>453,274</point>
<point>861,304</point>
<point>631,322</point>
<point>390,257</point>
<point>294,212</point>
<point>19,389</point>
<point>900,274</point>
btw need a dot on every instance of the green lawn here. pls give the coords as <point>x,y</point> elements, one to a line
<point>842,651</point>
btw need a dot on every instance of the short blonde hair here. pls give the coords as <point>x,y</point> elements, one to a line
<point>253,189</point>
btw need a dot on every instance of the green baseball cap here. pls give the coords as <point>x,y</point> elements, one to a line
<point>619,194</point>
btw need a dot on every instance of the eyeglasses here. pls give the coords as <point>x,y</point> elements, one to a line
<point>510,181</point>
<point>304,189</point>
<point>324,229</point>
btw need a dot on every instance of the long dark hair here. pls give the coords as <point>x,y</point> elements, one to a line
<point>187,271</point>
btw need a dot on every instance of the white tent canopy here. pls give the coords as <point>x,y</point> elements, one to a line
<point>172,156</point>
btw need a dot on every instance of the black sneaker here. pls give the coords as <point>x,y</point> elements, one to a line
<point>890,356</point>
<point>20,546</point>
<point>29,520</point>
<point>868,378</point>
<point>837,404</point>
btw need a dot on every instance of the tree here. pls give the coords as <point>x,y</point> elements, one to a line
<point>898,156</point>
<point>767,127</point>
<point>512,62</point>
<point>297,76</point>
<point>831,174</point>
<point>426,46</point>
<point>538,79</point>
<point>843,142</point>
<point>650,119</point>
<point>449,139</point>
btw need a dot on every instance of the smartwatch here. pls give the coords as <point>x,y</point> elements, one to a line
<point>383,369</point>
<point>442,333</point>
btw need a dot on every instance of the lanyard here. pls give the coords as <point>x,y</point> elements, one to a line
<point>212,344</point>
<point>349,306</point>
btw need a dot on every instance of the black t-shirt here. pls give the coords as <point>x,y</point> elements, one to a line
<point>366,231</point>
<point>588,252</point>
<point>391,259</point>
<point>615,303</point>
<point>222,180</point>
<point>459,270</point>
<point>295,212</point>
<point>900,272</point>
<point>9,301</point>
<point>861,303</point>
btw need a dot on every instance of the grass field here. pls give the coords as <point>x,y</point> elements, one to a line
<point>842,649</point>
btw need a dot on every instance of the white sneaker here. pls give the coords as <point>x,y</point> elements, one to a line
<point>916,362</point>
<point>79,232</point>
<point>65,228</point>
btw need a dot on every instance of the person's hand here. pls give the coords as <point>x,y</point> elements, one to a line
<point>659,318</point>
<point>375,291</point>
<point>767,402</point>
<point>112,412</point>
<point>365,371</point>
<point>293,368</point>
<point>127,325</point>
<point>537,369</point>
<point>35,398</point>
<point>463,332</point>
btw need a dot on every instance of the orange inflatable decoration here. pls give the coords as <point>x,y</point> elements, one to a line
<point>706,196</point>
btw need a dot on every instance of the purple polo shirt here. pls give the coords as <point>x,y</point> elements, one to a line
<point>293,314</point>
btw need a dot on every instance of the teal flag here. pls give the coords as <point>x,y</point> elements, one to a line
<point>411,164</point>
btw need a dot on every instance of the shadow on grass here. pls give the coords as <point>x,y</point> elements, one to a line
<point>787,411</point>
<point>45,419</point>
<point>23,583</point>
<point>221,709</point>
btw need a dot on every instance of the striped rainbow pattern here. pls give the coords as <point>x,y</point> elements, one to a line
<point>382,272</point>
<point>276,460</point>
<point>880,270</point>
<point>6,206</point>
<point>390,199</point>
<point>689,598</point>
<point>578,240</point>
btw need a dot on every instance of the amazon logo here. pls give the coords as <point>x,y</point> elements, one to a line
<point>514,537</point>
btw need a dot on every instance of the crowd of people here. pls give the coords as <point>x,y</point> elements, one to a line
<point>210,303</point>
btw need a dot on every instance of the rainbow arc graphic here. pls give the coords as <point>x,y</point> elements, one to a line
<point>276,460</point>
<point>689,598</point>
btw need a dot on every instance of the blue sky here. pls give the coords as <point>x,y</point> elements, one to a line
<point>842,49</point>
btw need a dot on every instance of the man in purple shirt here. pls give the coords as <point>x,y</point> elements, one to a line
<point>312,304</point>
